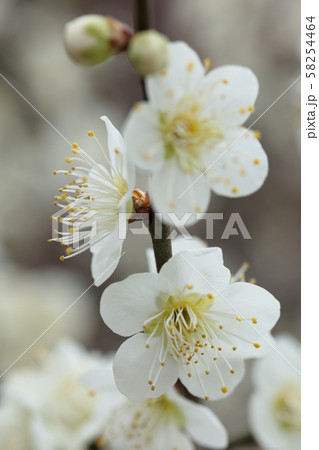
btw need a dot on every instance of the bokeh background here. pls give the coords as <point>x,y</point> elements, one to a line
<point>35,287</point>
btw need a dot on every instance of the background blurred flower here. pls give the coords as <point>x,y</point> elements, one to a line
<point>50,407</point>
<point>275,406</point>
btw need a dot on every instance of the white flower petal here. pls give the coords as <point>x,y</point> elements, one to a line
<point>178,244</point>
<point>184,72</point>
<point>202,268</point>
<point>114,138</point>
<point>127,304</point>
<point>132,369</point>
<point>105,257</point>
<point>238,166</point>
<point>229,92</point>
<point>202,424</point>
<point>201,385</point>
<point>252,304</point>
<point>143,138</point>
<point>176,192</point>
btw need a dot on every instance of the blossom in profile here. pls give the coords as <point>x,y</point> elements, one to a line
<point>92,203</point>
<point>166,422</point>
<point>48,407</point>
<point>275,405</point>
<point>187,322</point>
<point>189,133</point>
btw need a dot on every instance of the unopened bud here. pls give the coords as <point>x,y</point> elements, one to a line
<point>92,39</point>
<point>148,52</point>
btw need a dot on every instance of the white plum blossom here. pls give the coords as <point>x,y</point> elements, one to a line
<point>275,406</point>
<point>189,133</point>
<point>168,422</point>
<point>94,202</point>
<point>187,322</point>
<point>48,407</point>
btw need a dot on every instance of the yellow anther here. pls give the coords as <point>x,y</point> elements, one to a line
<point>220,349</point>
<point>172,205</point>
<point>252,280</point>
<point>137,106</point>
<point>239,319</point>
<point>221,327</point>
<point>147,346</point>
<point>207,372</point>
<point>257,134</point>
<point>256,345</point>
<point>190,286</point>
<point>234,190</point>
<point>150,382</point>
<point>234,348</point>
<point>162,364</point>
<point>224,389</point>
<point>254,320</point>
<point>69,250</point>
<point>62,258</point>
<point>251,108</point>
<point>49,240</point>
<point>256,161</point>
<point>189,374</point>
<point>100,442</point>
<point>207,63</point>
<point>55,172</point>
<point>84,178</point>
<point>190,66</point>
<point>206,398</point>
<point>64,196</point>
<point>75,145</point>
<point>215,358</point>
<point>74,151</point>
<point>197,209</point>
<point>117,151</point>
<point>210,296</point>
<point>153,388</point>
<point>232,371</point>
<point>91,133</point>
<point>225,81</point>
<point>242,110</point>
<point>242,171</point>
<point>55,203</point>
<point>204,336</point>
<point>68,159</point>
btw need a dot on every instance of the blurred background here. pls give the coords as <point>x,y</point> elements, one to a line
<point>35,287</point>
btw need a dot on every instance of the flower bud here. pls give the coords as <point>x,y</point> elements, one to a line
<point>91,39</point>
<point>148,52</point>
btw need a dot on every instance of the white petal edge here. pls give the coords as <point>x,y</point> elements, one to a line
<point>132,365</point>
<point>125,305</point>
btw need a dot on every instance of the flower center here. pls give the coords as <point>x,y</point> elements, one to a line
<point>287,407</point>
<point>71,406</point>
<point>187,135</point>
<point>192,332</point>
<point>139,423</point>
